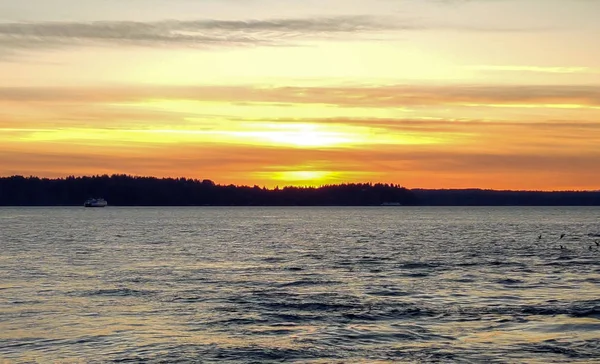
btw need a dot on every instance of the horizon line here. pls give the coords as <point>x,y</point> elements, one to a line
<point>298,186</point>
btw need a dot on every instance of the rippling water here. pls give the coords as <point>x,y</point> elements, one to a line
<point>386,284</point>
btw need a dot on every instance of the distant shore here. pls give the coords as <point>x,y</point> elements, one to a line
<point>124,190</point>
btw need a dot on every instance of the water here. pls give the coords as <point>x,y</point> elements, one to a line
<point>315,285</point>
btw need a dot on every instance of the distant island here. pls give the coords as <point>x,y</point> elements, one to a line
<point>125,190</point>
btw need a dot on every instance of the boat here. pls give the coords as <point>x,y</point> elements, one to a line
<point>95,202</point>
<point>391,204</point>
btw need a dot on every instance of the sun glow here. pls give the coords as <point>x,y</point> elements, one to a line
<point>302,135</point>
<point>317,135</point>
<point>305,178</point>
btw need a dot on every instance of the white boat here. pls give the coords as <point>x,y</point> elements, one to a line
<point>95,202</point>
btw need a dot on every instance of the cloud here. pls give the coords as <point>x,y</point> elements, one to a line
<point>210,32</point>
<point>197,33</point>
<point>449,167</point>
<point>142,128</point>
<point>365,97</point>
<point>445,126</point>
<point>535,69</point>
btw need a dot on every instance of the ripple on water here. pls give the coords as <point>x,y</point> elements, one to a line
<point>319,285</point>
<point>115,292</point>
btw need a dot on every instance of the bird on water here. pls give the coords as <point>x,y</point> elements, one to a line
<point>562,236</point>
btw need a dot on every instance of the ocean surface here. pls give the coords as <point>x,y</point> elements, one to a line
<point>295,284</point>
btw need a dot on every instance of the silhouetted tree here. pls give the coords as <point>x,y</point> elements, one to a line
<point>126,190</point>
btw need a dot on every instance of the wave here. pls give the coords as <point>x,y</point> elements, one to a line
<point>306,282</point>
<point>117,292</point>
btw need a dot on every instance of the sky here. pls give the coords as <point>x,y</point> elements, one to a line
<point>499,94</point>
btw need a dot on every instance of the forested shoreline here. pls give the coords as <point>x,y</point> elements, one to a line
<point>125,190</point>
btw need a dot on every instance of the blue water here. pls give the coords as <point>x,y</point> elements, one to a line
<point>311,285</point>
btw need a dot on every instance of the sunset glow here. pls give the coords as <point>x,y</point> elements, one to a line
<point>433,94</point>
<point>309,178</point>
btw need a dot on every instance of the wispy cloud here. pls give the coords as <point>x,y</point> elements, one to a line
<point>209,32</point>
<point>198,33</point>
<point>535,69</point>
<point>381,96</point>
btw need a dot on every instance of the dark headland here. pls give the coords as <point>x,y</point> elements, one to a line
<point>124,190</point>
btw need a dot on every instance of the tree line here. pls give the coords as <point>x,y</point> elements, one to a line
<point>480,197</point>
<point>125,190</point>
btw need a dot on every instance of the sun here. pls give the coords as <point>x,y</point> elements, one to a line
<point>304,178</point>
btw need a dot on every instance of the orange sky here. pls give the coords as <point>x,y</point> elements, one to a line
<point>424,94</point>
